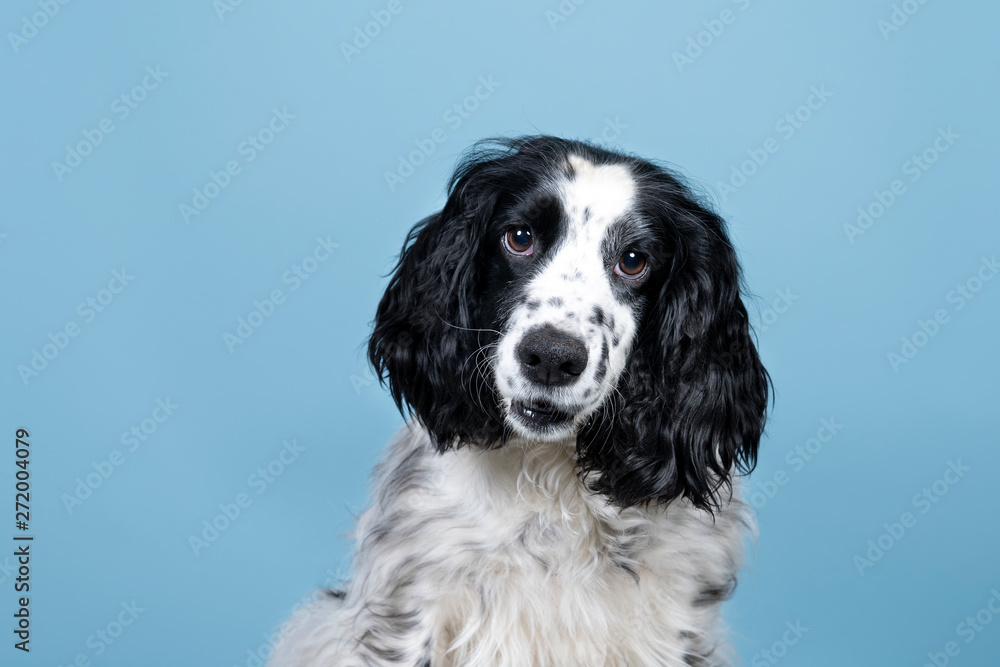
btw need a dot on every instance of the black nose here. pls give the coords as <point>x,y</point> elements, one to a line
<point>551,357</point>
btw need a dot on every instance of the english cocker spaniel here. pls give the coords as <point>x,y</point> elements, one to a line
<point>569,337</point>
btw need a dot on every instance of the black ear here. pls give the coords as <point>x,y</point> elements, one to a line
<point>691,404</point>
<point>426,340</point>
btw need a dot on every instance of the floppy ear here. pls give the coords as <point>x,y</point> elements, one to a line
<point>425,340</point>
<point>691,404</point>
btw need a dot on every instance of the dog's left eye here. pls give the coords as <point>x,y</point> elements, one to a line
<point>518,241</point>
<point>631,265</point>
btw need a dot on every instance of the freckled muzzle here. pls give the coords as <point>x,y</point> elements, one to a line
<point>548,359</point>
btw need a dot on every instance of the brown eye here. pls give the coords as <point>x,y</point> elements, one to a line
<point>518,241</point>
<point>631,265</point>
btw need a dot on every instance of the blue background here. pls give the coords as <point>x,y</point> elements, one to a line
<point>609,72</point>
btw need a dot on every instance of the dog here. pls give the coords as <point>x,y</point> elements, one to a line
<point>569,338</point>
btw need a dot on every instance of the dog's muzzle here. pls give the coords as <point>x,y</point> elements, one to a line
<point>549,357</point>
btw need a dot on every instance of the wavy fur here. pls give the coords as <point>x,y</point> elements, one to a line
<point>584,511</point>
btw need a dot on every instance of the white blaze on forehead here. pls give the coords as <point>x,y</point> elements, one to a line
<point>607,190</point>
<point>593,198</point>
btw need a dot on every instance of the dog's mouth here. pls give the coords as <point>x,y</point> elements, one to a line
<point>540,416</point>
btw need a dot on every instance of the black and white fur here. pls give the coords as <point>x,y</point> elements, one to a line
<point>566,494</point>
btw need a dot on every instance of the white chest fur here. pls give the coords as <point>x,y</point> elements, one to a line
<point>503,558</point>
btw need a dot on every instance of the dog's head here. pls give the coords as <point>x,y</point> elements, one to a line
<point>568,291</point>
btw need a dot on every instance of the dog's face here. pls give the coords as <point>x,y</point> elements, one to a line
<point>573,259</point>
<point>566,291</point>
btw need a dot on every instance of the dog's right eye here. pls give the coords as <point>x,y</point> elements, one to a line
<point>518,241</point>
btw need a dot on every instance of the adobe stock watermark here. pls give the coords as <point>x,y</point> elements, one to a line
<point>787,126</point>
<point>248,149</point>
<point>963,292</point>
<point>259,482</point>
<point>104,637</point>
<point>88,310</point>
<point>561,13</point>
<point>454,116</point>
<point>258,656</point>
<point>900,16</point>
<point>122,107</point>
<point>779,649</point>
<point>782,303</point>
<point>361,380</point>
<point>223,7</point>
<point>967,630</point>
<point>612,130</point>
<point>7,569</point>
<point>294,277</point>
<point>31,25</point>
<point>915,167</point>
<point>131,440</point>
<point>760,492</point>
<point>923,502</point>
<point>363,35</point>
<point>699,42</point>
